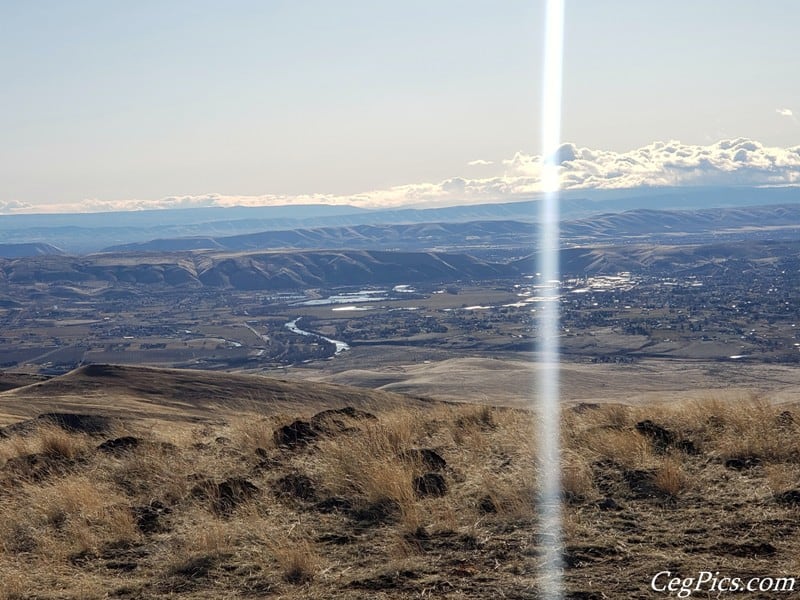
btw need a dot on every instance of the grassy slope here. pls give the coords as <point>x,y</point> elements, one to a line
<point>340,518</point>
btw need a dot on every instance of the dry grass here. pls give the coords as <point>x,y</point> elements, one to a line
<point>345,516</point>
<point>670,477</point>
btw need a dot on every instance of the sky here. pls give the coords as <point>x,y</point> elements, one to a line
<point>112,105</point>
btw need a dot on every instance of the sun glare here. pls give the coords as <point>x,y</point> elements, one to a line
<point>548,316</point>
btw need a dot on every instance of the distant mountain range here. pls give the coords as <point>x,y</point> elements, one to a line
<point>245,271</point>
<point>115,274</point>
<point>477,234</point>
<point>85,233</point>
<point>30,249</point>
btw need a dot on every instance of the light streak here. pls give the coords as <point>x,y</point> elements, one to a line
<point>548,386</point>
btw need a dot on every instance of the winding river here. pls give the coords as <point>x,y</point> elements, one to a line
<point>292,326</point>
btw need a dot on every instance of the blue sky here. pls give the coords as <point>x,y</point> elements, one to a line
<point>130,105</point>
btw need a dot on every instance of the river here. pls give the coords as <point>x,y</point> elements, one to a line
<point>292,326</point>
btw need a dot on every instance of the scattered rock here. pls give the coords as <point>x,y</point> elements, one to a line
<point>785,419</point>
<point>40,466</point>
<point>296,485</point>
<point>660,437</point>
<point>123,555</point>
<point>430,485</point>
<point>687,446</point>
<point>740,463</point>
<point>227,495</point>
<point>746,550</point>
<point>334,504</point>
<point>425,457</point>
<point>301,433</point>
<point>333,415</point>
<point>222,440</point>
<point>571,497</point>
<point>608,503</point>
<point>788,498</point>
<point>91,424</point>
<point>487,506</point>
<point>394,580</point>
<point>385,510</point>
<point>197,567</point>
<point>583,407</point>
<point>337,539</point>
<point>120,445</point>
<point>581,556</point>
<point>641,484</point>
<point>149,517</point>
<point>233,492</point>
<point>75,423</point>
<point>296,434</point>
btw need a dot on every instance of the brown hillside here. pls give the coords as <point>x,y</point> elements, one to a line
<point>186,395</point>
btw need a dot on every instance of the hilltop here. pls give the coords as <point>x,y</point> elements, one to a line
<point>321,491</point>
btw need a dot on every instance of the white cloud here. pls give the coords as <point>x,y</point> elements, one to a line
<point>13,206</point>
<point>784,112</point>
<point>728,162</point>
<point>480,162</point>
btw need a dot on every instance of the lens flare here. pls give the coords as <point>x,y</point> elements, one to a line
<point>548,315</point>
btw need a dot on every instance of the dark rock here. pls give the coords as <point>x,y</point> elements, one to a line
<point>262,453</point>
<point>333,504</point>
<point>788,498</point>
<point>608,504</point>
<point>687,446</point>
<point>225,496</point>
<point>40,466</point>
<point>347,411</point>
<point>75,423</point>
<point>572,498</point>
<point>296,485</point>
<point>196,567</point>
<point>745,550</point>
<point>641,483</point>
<point>233,492</point>
<point>785,419</point>
<point>430,484</point>
<point>91,424</point>
<point>487,506</point>
<point>339,420</point>
<point>583,407</point>
<point>385,510</point>
<point>100,370</point>
<point>122,555</point>
<point>426,458</point>
<point>222,440</point>
<point>394,580</point>
<point>119,445</point>
<point>659,436</point>
<point>337,539</point>
<point>301,433</point>
<point>741,463</point>
<point>149,517</point>
<point>296,434</point>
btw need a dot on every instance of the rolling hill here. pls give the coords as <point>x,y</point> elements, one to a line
<point>136,392</point>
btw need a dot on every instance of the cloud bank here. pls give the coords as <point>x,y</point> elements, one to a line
<point>737,162</point>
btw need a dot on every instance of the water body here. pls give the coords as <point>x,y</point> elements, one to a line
<point>292,326</point>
